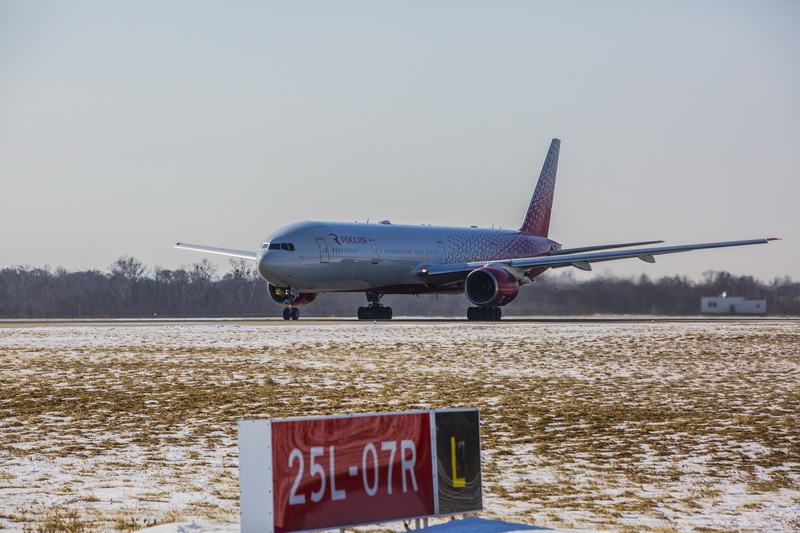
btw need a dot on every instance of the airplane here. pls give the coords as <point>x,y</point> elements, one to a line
<point>304,259</point>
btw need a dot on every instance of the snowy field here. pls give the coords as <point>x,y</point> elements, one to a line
<point>661,427</point>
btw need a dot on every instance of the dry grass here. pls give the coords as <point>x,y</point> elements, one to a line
<point>606,426</point>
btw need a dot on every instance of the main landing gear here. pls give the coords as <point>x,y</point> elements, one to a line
<point>375,310</point>
<point>291,313</point>
<point>484,313</point>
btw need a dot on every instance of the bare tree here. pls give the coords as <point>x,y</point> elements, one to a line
<point>201,277</point>
<point>126,273</point>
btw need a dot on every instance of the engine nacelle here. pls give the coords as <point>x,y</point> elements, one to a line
<point>289,296</point>
<point>491,286</point>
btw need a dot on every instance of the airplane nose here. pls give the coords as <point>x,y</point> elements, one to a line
<point>264,269</point>
<point>272,266</point>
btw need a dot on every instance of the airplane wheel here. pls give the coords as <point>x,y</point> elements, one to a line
<point>374,313</point>
<point>295,313</point>
<point>484,313</point>
<point>287,313</point>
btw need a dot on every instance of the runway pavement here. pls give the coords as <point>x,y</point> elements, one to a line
<point>315,321</point>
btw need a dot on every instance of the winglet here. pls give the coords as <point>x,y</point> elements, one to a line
<point>537,219</point>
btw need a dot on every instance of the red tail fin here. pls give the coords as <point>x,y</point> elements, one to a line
<point>537,219</point>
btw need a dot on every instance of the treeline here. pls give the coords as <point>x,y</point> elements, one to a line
<point>129,289</point>
<point>561,294</point>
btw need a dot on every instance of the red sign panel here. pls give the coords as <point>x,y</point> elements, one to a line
<point>338,471</point>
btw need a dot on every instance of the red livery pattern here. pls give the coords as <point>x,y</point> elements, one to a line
<point>537,219</point>
<point>490,245</point>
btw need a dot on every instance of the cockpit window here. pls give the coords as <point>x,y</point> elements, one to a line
<point>289,247</point>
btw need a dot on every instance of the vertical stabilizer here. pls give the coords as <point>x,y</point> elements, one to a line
<point>537,219</point>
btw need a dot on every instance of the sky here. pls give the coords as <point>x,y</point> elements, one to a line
<point>128,126</point>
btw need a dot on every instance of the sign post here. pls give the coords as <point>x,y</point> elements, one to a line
<point>305,474</point>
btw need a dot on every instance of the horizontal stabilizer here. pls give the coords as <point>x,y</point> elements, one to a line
<point>243,254</point>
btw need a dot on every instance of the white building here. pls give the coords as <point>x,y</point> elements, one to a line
<point>730,305</point>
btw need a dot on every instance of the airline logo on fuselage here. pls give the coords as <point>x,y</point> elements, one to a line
<point>348,239</point>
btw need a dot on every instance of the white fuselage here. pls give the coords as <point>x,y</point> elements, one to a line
<point>330,256</point>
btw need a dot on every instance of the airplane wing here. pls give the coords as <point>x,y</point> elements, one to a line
<point>219,251</point>
<point>562,258</point>
<point>601,247</point>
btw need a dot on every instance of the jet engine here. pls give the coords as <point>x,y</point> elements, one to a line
<point>491,286</point>
<point>289,296</point>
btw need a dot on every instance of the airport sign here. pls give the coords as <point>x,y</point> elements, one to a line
<point>305,474</point>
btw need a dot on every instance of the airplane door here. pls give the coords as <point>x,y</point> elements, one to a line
<point>324,256</point>
<point>374,246</point>
<point>442,252</point>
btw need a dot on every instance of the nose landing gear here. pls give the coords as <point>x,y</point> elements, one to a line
<point>375,310</point>
<point>291,313</point>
